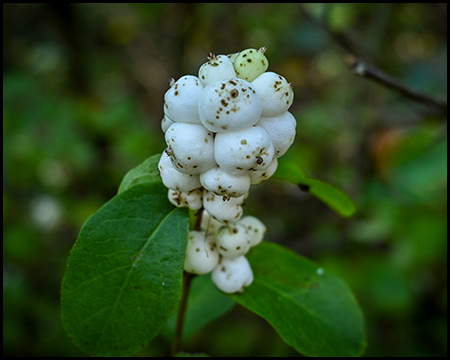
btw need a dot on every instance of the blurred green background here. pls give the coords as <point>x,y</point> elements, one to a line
<point>83,88</point>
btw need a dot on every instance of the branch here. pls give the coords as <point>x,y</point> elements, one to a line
<point>360,68</point>
<point>371,72</point>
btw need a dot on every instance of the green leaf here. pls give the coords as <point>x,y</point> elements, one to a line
<point>147,172</point>
<point>124,274</point>
<point>205,304</point>
<point>313,311</point>
<point>335,198</point>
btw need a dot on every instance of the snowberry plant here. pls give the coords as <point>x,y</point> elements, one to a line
<point>177,230</point>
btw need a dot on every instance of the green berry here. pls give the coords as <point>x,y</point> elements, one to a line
<point>250,63</point>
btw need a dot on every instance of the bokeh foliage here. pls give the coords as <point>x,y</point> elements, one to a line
<point>83,90</point>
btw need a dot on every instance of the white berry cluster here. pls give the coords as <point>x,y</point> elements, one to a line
<point>225,130</point>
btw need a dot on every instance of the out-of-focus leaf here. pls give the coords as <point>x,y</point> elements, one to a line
<point>185,354</point>
<point>426,174</point>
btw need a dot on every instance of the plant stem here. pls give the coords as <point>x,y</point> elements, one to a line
<point>187,279</point>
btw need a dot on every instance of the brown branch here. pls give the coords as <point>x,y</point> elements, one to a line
<point>371,72</point>
<point>367,71</point>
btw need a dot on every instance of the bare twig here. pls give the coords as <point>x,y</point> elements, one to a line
<point>363,69</point>
<point>371,72</point>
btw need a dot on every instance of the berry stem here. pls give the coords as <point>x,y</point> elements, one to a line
<point>187,279</point>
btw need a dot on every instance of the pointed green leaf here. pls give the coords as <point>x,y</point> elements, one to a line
<point>313,311</point>
<point>124,274</point>
<point>146,172</point>
<point>335,198</point>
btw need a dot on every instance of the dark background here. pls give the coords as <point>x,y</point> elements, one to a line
<point>83,89</point>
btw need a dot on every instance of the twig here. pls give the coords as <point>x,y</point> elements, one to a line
<point>360,68</point>
<point>371,72</point>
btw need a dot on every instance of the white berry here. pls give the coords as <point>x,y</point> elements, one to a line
<point>257,177</point>
<point>281,130</point>
<point>165,123</point>
<point>255,228</point>
<point>181,100</point>
<point>231,275</point>
<point>222,208</point>
<point>275,92</point>
<point>250,63</point>
<point>191,199</point>
<point>233,241</point>
<point>217,68</point>
<point>209,224</point>
<point>201,253</point>
<point>175,180</point>
<point>222,183</point>
<point>229,105</point>
<point>239,152</point>
<point>191,148</point>
<point>233,56</point>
